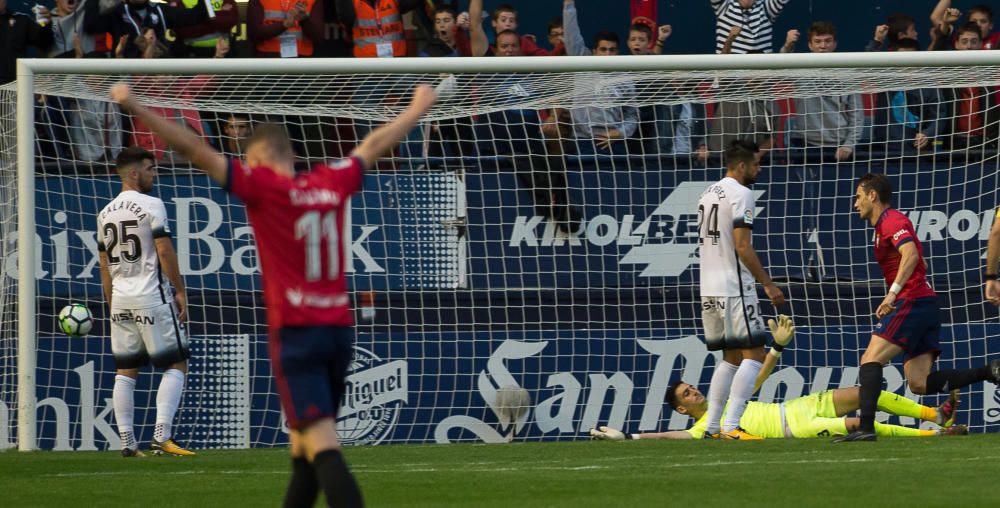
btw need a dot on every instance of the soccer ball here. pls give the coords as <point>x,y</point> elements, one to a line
<point>75,320</point>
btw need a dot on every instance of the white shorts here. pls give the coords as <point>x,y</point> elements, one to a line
<point>732,322</point>
<point>139,336</point>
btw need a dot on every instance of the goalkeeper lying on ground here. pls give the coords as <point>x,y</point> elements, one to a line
<point>816,415</point>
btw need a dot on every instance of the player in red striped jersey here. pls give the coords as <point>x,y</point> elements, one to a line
<point>909,320</point>
<point>298,222</point>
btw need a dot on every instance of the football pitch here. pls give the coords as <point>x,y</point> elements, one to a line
<point>953,471</point>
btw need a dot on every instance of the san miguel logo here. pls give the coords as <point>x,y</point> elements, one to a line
<point>374,394</point>
<point>991,403</point>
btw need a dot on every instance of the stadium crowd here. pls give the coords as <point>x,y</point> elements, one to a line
<point>827,128</point>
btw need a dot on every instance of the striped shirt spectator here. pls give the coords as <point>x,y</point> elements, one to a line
<point>754,17</point>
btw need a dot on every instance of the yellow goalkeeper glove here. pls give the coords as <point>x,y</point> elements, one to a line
<point>783,331</point>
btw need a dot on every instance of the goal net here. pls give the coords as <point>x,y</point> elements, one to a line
<point>525,264</point>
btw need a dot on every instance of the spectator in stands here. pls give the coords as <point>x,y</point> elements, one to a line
<point>505,19</point>
<point>516,134</point>
<point>130,19</point>
<point>89,126</point>
<point>943,16</point>
<point>750,119</point>
<point>286,29</point>
<point>975,122</point>
<point>451,137</point>
<point>556,33</point>
<point>200,41</point>
<point>236,129</point>
<point>377,26</point>
<point>909,121</point>
<point>897,27</point>
<point>17,33</point>
<point>450,38</point>
<point>665,130</point>
<point>508,42</point>
<point>754,17</point>
<point>597,129</point>
<point>831,125</point>
<point>982,15</point>
<point>640,39</point>
<point>150,46</point>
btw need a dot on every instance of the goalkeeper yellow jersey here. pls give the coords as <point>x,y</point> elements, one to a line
<point>760,419</point>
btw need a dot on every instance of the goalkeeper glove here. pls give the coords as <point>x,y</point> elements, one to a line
<point>608,434</point>
<point>783,331</point>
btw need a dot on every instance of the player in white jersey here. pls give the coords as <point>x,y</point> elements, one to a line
<point>147,311</point>
<point>730,310</point>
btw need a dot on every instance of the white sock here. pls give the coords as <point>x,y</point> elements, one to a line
<point>742,390</point>
<point>718,393</point>
<point>168,397</point>
<point>123,397</point>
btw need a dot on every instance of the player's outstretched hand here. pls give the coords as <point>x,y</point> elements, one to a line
<point>774,293</point>
<point>121,93</point>
<point>423,98</point>
<point>607,434</point>
<point>783,330</point>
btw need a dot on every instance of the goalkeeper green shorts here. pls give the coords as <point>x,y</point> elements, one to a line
<point>814,416</point>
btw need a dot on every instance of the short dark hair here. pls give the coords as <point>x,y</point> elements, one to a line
<point>906,43</point>
<point>274,135</point>
<point>446,8</point>
<point>985,9</point>
<point>822,28</point>
<point>898,23</point>
<point>504,8</point>
<point>132,155</point>
<point>968,27</point>
<point>508,32</point>
<point>605,35</point>
<point>741,150</point>
<point>555,23</point>
<point>641,28</point>
<point>879,183</point>
<point>672,399</point>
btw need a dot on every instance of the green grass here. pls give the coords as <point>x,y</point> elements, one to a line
<point>951,472</point>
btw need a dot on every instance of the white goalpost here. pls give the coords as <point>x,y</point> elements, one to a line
<point>507,245</point>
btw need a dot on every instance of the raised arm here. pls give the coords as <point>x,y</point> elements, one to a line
<point>477,35</point>
<point>937,15</point>
<point>783,331</point>
<point>382,139</point>
<point>572,38</point>
<point>185,142</point>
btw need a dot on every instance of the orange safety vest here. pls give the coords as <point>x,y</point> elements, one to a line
<point>382,24</point>
<point>275,12</point>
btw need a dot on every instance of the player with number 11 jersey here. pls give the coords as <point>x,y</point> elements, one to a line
<point>298,224</point>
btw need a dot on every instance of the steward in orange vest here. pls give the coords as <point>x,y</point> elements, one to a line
<point>285,28</point>
<point>378,29</point>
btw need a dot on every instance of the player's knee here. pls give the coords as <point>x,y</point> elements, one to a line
<point>181,366</point>
<point>733,356</point>
<point>132,373</point>
<point>754,353</point>
<point>917,387</point>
